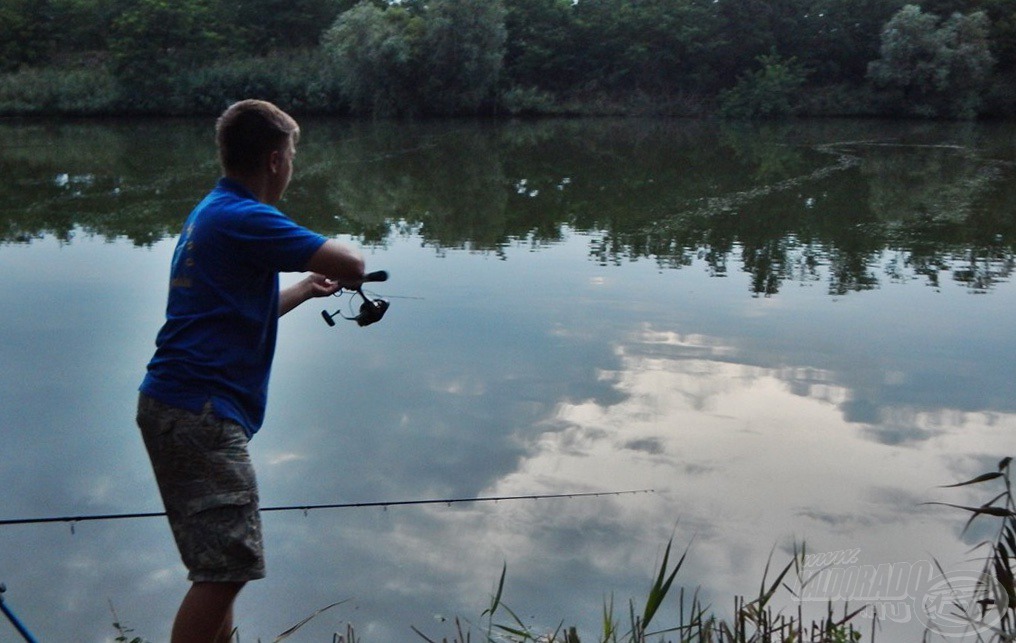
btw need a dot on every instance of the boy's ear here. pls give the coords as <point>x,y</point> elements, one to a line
<point>274,161</point>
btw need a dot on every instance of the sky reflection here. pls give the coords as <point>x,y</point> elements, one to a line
<point>571,359</point>
<point>757,426</point>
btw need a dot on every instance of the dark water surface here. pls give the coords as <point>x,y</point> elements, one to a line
<point>791,334</point>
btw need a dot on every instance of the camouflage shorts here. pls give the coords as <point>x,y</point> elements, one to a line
<point>208,487</point>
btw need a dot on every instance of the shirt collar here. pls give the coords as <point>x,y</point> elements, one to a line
<point>234,186</point>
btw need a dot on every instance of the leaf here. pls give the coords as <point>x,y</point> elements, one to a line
<point>496,600</point>
<point>1000,512</point>
<point>422,635</point>
<point>660,588</point>
<point>984,477</point>
<point>290,631</point>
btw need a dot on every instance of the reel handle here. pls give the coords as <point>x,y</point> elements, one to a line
<point>371,311</point>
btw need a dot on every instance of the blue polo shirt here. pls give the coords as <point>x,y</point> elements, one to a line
<point>222,313</point>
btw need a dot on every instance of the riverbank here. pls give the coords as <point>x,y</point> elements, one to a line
<point>305,83</point>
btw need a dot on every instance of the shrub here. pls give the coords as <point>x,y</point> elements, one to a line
<point>373,53</point>
<point>769,92</point>
<point>76,91</point>
<point>299,81</point>
<point>932,69</point>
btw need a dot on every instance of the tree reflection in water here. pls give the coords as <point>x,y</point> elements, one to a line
<point>852,204</point>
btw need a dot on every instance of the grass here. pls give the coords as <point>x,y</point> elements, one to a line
<point>754,620</point>
<point>995,591</point>
<point>990,617</point>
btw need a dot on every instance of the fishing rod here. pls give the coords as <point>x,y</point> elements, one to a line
<point>337,505</point>
<point>13,618</point>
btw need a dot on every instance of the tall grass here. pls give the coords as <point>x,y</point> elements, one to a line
<point>77,91</point>
<point>991,616</point>
<point>995,590</point>
<point>754,621</point>
<point>301,81</point>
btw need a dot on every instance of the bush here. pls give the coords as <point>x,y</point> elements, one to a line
<point>839,100</point>
<point>769,92</point>
<point>931,69</point>
<point>440,58</point>
<point>298,81</point>
<point>527,101</point>
<point>79,92</point>
<point>373,52</point>
<point>151,41</point>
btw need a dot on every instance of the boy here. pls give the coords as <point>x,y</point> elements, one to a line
<point>204,394</point>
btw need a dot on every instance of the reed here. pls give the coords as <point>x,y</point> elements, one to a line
<point>753,621</point>
<point>991,616</point>
<point>993,610</point>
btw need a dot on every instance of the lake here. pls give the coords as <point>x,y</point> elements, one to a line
<point>780,335</point>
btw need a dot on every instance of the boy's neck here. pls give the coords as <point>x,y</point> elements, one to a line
<point>256,184</point>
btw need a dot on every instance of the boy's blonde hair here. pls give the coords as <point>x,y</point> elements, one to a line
<point>248,131</point>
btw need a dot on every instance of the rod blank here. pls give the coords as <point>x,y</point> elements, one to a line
<point>339,505</point>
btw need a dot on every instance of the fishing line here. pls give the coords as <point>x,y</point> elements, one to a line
<point>338,505</point>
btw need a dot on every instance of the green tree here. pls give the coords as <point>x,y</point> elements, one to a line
<point>1002,16</point>
<point>843,37</point>
<point>768,92</point>
<point>933,68</point>
<point>746,29</point>
<point>464,44</point>
<point>84,25</point>
<point>26,32</point>
<point>154,40</point>
<point>539,47</point>
<point>646,46</point>
<point>263,26</point>
<point>374,53</point>
<point>443,57</point>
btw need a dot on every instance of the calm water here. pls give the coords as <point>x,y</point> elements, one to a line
<point>790,334</point>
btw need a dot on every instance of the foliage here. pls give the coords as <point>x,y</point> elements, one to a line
<point>754,620</point>
<point>768,92</point>
<point>842,37</point>
<point>373,50</point>
<point>444,57</point>
<point>260,27</point>
<point>520,101</point>
<point>746,30</point>
<point>79,91</point>
<point>26,32</point>
<point>300,81</point>
<point>639,46</point>
<point>539,48</point>
<point>154,39</point>
<point>936,69</point>
<point>462,50</point>
<point>995,591</point>
<point>441,58</point>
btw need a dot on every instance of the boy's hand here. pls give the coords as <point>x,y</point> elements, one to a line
<point>320,286</point>
<point>311,286</point>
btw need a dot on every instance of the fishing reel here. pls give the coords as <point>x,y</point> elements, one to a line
<point>371,310</point>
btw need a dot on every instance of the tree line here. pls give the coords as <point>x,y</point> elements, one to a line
<point>737,58</point>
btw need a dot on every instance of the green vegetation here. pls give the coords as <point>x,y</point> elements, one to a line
<point>994,607</point>
<point>991,616</point>
<point>929,58</point>
<point>754,620</point>
<point>933,68</point>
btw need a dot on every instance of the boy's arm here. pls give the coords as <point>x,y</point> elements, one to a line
<point>334,265</point>
<point>338,262</point>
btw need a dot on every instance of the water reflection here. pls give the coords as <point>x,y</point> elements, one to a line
<point>776,201</point>
<point>773,329</point>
